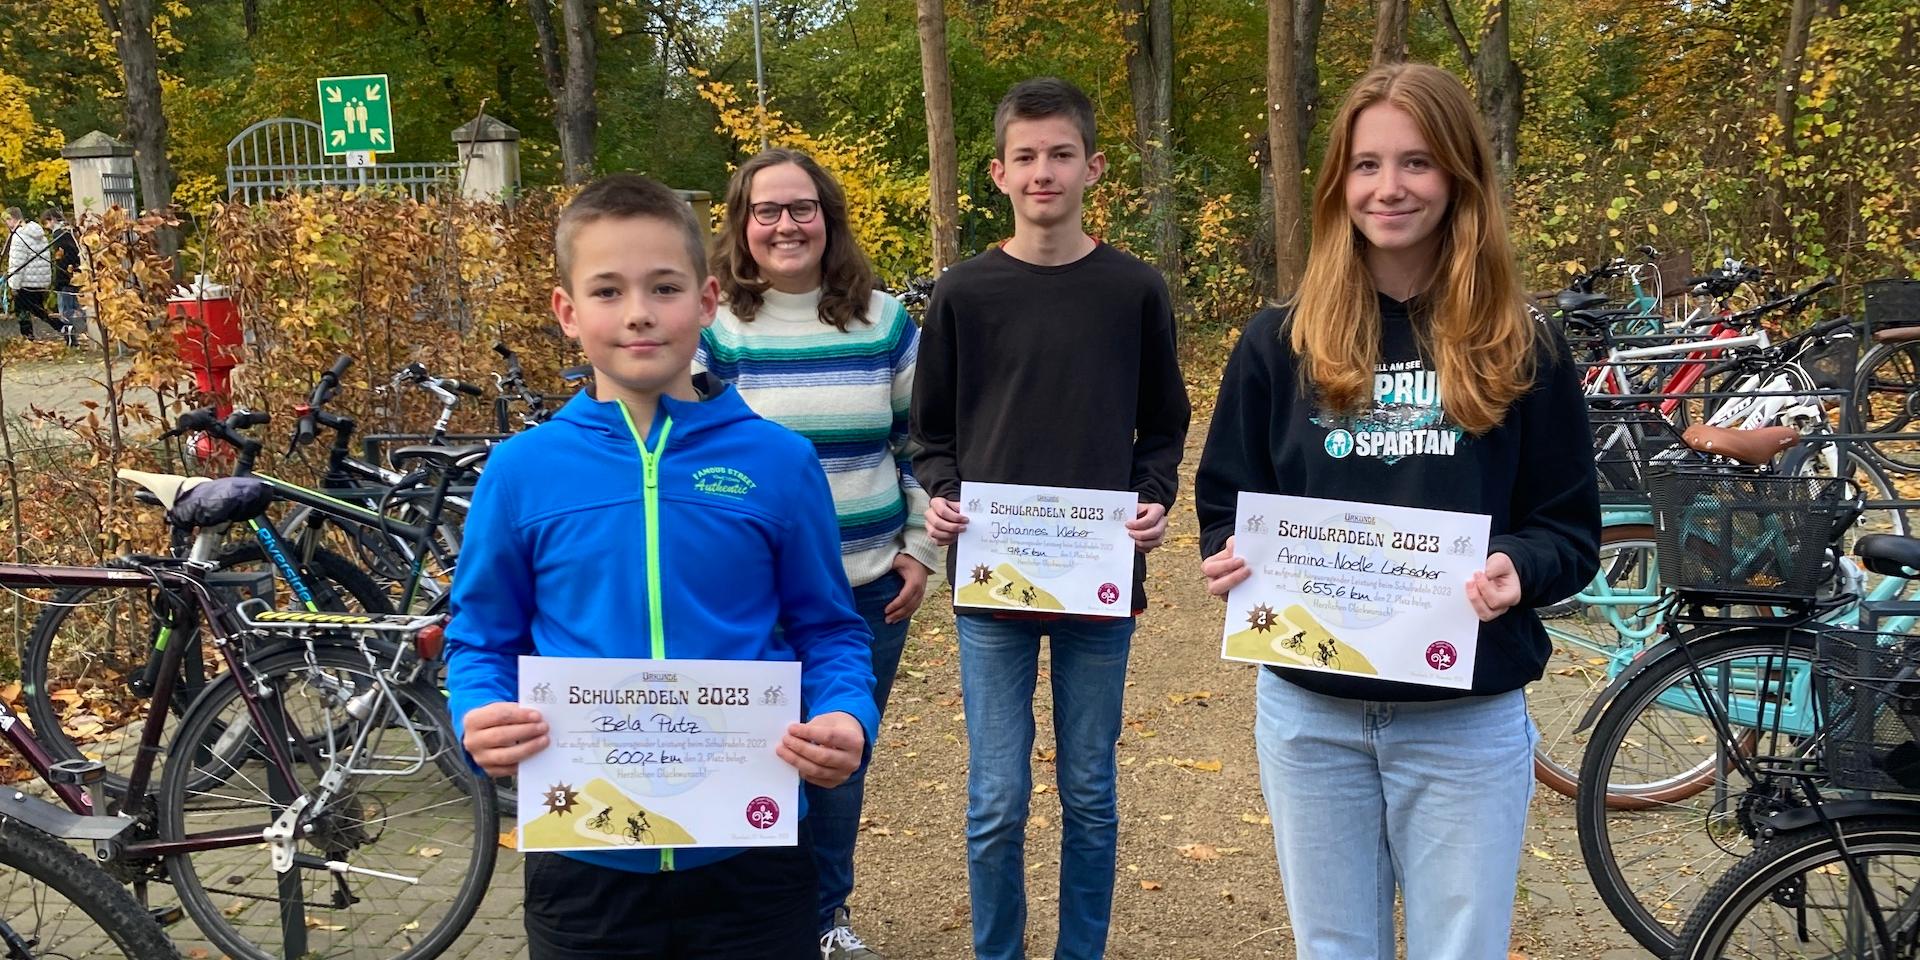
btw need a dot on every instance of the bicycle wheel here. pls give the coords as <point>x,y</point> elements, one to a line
<point>401,812</point>
<point>89,643</point>
<point>56,904</point>
<point>1696,812</point>
<point>1798,896</point>
<point>1589,648</point>
<point>1886,399</point>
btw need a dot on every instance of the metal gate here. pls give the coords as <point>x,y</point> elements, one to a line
<point>285,154</point>
<point>118,188</point>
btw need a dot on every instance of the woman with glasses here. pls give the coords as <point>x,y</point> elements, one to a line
<point>813,345</point>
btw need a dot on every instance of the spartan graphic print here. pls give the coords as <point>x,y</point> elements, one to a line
<point>1406,419</point>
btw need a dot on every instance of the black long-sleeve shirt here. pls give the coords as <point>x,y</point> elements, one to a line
<point>1533,474</point>
<point>1059,376</point>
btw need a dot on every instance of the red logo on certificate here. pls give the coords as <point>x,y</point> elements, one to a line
<point>762,813</point>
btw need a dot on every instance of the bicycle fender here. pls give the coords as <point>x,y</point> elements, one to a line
<point>1634,668</point>
<point>1645,658</point>
<point>58,821</point>
<point>1800,817</point>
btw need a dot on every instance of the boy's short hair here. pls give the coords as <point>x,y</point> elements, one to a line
<point>1038,98</point>
<point>13,213</point>
<point>627,196</point>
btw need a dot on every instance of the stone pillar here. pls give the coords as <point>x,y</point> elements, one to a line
<point>488,153</point>
<point>702,203</point>
<point>90,161</point>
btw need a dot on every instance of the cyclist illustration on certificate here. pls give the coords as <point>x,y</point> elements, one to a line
<point>1356,588</point>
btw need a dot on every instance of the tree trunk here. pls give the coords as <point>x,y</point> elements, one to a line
<point>1289,233</point>
<point>1499,88</point>
<point>1793,60</point>
<point>1307,15</point>
<point>583,64</point>
<point>1150,79</point>
<point>1786,109</point>
<point>1389,32</point>
<point>943,164</point>
<point>570,80</point>
<point>250,17</point>
<point>132,24</point>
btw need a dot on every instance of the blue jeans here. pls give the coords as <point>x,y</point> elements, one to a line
<point>834,815</point>
<point>70,311</point>
<point>999,665</point>
<point>1366,795</point>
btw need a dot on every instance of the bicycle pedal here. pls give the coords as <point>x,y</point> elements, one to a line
<point>166,916</point>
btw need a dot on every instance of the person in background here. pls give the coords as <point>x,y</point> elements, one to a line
<point>812,344</point>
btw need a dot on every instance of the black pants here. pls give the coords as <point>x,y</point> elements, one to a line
<point>758,905</point>
<point>32,304</point>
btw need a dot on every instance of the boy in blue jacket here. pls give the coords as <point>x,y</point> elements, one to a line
<point>608,532</point>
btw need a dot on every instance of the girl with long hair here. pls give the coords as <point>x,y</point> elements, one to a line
<point>1407,370</point>
<point>812,344</point>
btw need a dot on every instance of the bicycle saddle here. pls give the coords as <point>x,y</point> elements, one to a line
<point>442,457</point>
<point>1756,447</point>
<point>1889,554</point>
<point>203,501</point>
<point>1570,301</point>
<point>1896,334</point>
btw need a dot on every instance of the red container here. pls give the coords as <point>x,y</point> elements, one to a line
<point>207,333</point>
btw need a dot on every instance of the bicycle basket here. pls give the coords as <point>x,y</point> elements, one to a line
<point>1868,687</point>
<point>1746,537</point>
<point>1892,303</point>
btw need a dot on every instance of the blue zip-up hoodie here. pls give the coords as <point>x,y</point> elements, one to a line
<point>709,534</point>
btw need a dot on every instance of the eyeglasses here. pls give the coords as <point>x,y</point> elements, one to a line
<point>802,211</point>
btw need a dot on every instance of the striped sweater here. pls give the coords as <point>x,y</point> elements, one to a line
<point>846,392</point>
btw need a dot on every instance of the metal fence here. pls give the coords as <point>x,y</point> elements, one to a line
<point>286,154</point>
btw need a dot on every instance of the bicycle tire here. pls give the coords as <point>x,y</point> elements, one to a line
<point>400,924</point>
<point>107,910</point>
<point>1557,700</point>
<point>1812,851</point>
<point>335,581</point>
<point>1896,413</point>
<point>1690,803</point>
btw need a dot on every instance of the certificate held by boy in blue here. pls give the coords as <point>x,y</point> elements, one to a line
<point>659,753</point>
<point>1045,549</point>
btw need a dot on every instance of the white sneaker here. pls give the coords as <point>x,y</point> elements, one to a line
<point>841,943</point>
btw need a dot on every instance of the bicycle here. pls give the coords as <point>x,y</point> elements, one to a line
<point>1678,732</point>
<point>1825,876</point>
<point>310,777</point>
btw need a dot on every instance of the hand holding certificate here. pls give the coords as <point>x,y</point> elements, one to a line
<point>1356,588</point>
<point>659,753</point>
<point>1052,549</point>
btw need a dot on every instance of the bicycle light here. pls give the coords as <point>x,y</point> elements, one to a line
<point>430,641</point>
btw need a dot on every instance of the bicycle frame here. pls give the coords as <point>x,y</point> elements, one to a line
<point>21,739</point>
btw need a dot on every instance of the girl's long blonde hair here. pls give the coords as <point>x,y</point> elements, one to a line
<point>1474,323</point>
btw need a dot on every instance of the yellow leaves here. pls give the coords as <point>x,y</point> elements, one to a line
<point>1203,766</point>
<point>1669,207</point>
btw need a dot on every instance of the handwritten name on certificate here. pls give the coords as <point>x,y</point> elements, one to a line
<point>1356,588</point>
<point>659,753</point>
<point>1053,549</point>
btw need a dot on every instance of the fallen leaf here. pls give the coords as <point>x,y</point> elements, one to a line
<point>1259,819</point>
<point>1199,851</point>
<point>1204,766</point>
<point>880,831</point>
<point>1151,885</point>
<point>1542,854</point>
<point>510,839</point>
<point>431,852</point>
<point>197,953</point>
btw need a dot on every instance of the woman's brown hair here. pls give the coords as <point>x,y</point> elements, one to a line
<point>846,278</point>
<point>1475,326</point>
